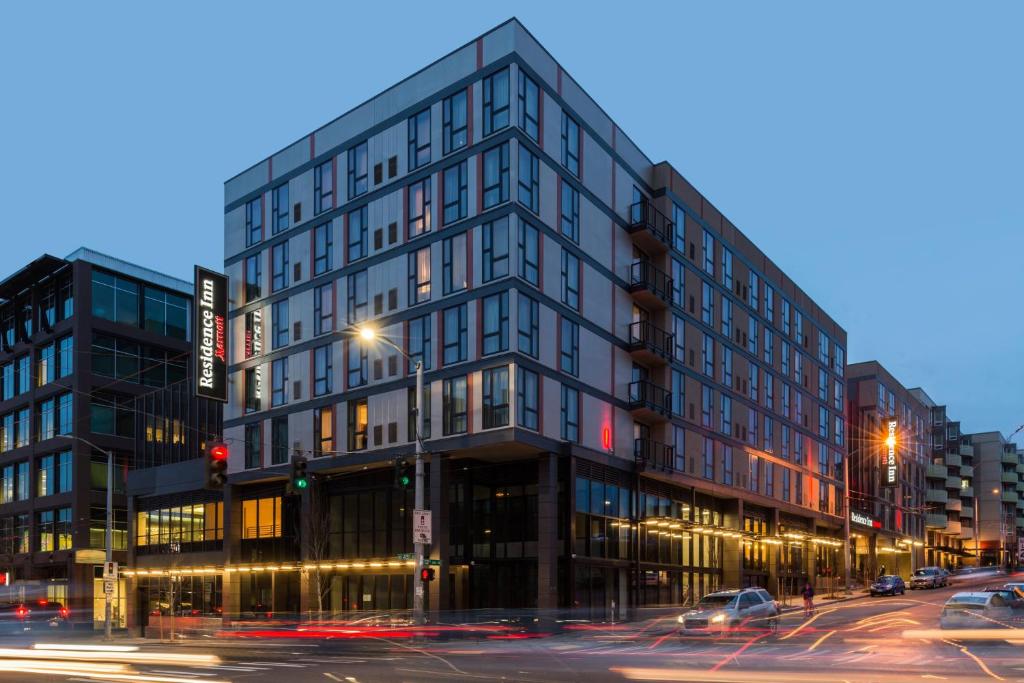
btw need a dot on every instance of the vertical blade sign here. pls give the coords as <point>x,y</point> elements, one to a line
<point>209,335</point>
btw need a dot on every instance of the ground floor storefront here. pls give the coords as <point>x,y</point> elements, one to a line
<point>875,551</point>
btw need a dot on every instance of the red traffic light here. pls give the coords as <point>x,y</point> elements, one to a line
<point>219,452</point>
<point>427,574</point>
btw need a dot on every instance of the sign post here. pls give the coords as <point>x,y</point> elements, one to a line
<point>421,527</point>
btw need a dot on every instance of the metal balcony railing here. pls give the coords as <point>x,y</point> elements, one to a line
<point>647,394</point>
<point>644,334</point>
<point>643,275</point>
<point>653,455</point>
<point>644,216</point>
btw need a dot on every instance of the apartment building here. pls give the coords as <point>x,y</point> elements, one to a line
<point>627,402</point>
<point>80,339</point>
<point>998,505</point>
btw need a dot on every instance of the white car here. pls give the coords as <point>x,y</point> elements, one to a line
<point>929,577</point>
<point>976,609</point>
<point>724,611</point>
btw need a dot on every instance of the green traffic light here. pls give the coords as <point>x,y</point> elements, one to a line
<point>301,483</point>
<point>404,480</point>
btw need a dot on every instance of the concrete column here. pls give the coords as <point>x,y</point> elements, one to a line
<point>231,595</point>
<point>547,533</point>
<point>438,482</point>
<point>774,555</point>
<point>732,550</point>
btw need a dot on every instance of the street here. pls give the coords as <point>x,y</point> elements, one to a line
<point>854,640</point>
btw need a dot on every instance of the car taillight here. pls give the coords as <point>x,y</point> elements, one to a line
<point>22,611</point>
<point>64,612</point>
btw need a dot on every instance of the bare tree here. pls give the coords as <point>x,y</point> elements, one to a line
<point>317,527</point>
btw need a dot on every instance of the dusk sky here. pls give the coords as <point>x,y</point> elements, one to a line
<point>874,151</point>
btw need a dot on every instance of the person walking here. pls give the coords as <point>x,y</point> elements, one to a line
<point>808,595</point>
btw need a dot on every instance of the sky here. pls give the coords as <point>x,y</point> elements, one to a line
<point>873,150</point>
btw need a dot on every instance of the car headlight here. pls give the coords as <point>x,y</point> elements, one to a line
<point>718,619</point>
<point>680,619</point>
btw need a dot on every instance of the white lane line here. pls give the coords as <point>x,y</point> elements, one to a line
<point>284,664</point>
<point>178,673</point>
<point>332,676</point>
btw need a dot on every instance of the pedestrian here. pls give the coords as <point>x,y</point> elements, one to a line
<point>882,571</point>
<point>808,595</point>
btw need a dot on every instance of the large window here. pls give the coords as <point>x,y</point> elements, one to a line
<point>279,383</point>
<point>184,528</point>
<point>455,405</point>
<point>357,234</point>
<point>527,399</point>
<point>46,370</point>
<point>570,219</point>
<point>529,179</point>
<point>253,446</point>
<point>358,365</point>
<point>570,144</point>
<point>419,276</point>
<point>279,323</point>
<point>261,518</point>
<point>323,430</point>
<point>495,397</point>
<point>54,530</point>
<point>495,101</point>
<point>281,208</point>
<point>111,414</point>
<point>419,342</point>
<point>53,474</point>
<point>454,273</point>
<point>419,208</point>
<point>570,279</point>
<point>253,221</point>
<point>357,297</point>
<point>707,305</point>
<point>419,139</point>
<point>358,425</point>
<point>323,248</point>
<point>166,314</point>
<point>279,448</point>
<point>114,298</point>
<point>323,370</point>
<point>358,170</point>
<point>529,106</point>
<point>570,414</point>
<point>323,187</point>
<point>529,253</point>
<point>279,267</point>
<point>708,355</point>
<point>569,353</point>
<point>456,193</point>
<point>45,419</point>
<point>455,334</point>
<point>65,357</point>
<point>495,249</point>
<point>253,277</point>
<point>323,309</point>
<point>495,176</point>
<point>528,319</point>
<point>495,323</point>
<point>454,122</point>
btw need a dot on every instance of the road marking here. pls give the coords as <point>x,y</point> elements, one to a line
<point>332,676</point>
<point>978,661</point>
<point>284,664</point>
<point>819,641</point>
<point>737,653</point>
<point>179,673</point>
<point>807,623</point>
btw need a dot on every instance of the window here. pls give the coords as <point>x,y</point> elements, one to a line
<point>115,299</point>
<point>822,385</point>
<point>280,323</point>
<point>419,139</point>
<point>678,393</point>
<point>840,431</point>
<point>752,299</point>
<point>495,249</point>
<point>454,272</point>
<point>358,365</point>
<point>253,221</point>
<point>253,446</point>
<point>253,389</point>
<point>785,317</point>
<point>679,338</point>
<point>798,367</point>
<point>726,415</point>
<point>570,222</point>
<point>358,169</point>
<point>279,440</point>
<point>837,396</point>
<point>455,406</point>
<point>323,430</point>
<point>357,297</point>
<point>785,358</point>
<point>261,518</point>
<point>709,253</point>
<point>529,106</point>
<point>707,305</point>
<point>323,186</point>
<point>752,375</point>
<point>752,335</point>
<point>357,234</point>
<point>456,197</point>
<point>527,403</point>
<point>784,450</point>
<point>45,420</point>
<point>419,208</point>
<point>769,346</point>
<point>323,249</point>
<point>165,313</point>
<point>54,474</point>
<point>279,267</point>
<point>823,422</point>
<point>495,397</point>
<point>322,370</point>
<point>529,253</point>
<point>419,342</point>
<point>727,268</point>
<point>495,101</point>
<point>281,208</point>
<point>454,122</point>
<point>840,366</point>
<point>678,283</point>
<point>279,374</point>
<point>679,228</point>
<point>495,323</point>
<point>495,176</point>
<point>769,435</point>
<point>727,465</point>
<point>726,316</point>
<point>707,398</point>
<point>708,457</point>
<point>769,303</point>
<point>358,425</point>
<point>7,381</point>
<point>253,277</point>
<point>755,474</point>
<point>707,353</point>
<point>570,280</point>
<point>570,144</point>
<point>109,414</point>
<point>455,335</point>
<point>46,370</point>
<point>529,326</point>
<point>823,347</point>
<point>570,414</point>
<point>529,179</point>
<point>323,309</point>
<point>24,367</point>
<point>726,366</point>
<point>570,347</point>
<point>769,479</point>
<point>65,358</point>
<point>798,326</point>
<point>54,530</point>
<point>769,391</point>
<point>419,276</point>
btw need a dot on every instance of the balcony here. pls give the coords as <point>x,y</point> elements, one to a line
<point>954,460</point>
<point>654,456</point>
<point>967,511</point>
<point>936,471</point>
<point>1020,469</point>
<point>953,484</point>
<point>953,526</point>
<point>648,401</point>
<point>651,229</point>
<point>650,344</point>
<point>648,285</point>
<point>935,521</point>
<point>1009,477</point>
<point>966,471</point>
<point>1009,497</point>
<point>1008,458</point>
<point>1020,503</point>
<point>954,505</point>
<point>967,492</point>
<point>966,451</point>
<point>966,532</point>
<point>936,496</point>
<point>1020,487</point>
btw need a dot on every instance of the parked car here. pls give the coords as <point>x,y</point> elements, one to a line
<point>729,610</point>
<point>16,617</point>
<point>928,577</point>
<point>977,609</point>
<point>890,584</point>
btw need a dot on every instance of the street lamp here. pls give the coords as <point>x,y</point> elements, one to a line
<point>368,334</point>
<point>109,535</point>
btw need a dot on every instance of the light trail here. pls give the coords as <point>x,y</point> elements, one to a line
<point>737,653</point>
<point>821,640</point>
<point>977,660</point>
<point>807,623</point>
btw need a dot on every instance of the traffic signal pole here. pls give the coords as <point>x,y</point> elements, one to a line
<point>418,586</point>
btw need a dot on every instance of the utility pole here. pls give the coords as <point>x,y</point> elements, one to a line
<point>419,588</point>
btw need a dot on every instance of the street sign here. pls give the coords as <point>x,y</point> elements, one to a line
<point>110,570</point>
<point>406,556</point>
<point>108,586</point>
<point>421,526</point>
<point>433,563</point>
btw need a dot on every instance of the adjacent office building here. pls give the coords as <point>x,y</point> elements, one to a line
<point>81,338</point>
<point>627,402</point>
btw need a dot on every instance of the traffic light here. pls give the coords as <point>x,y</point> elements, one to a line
<point>427,574</point>
<point>403,474</point>
<point>216,466</point>
<point>300,480</point>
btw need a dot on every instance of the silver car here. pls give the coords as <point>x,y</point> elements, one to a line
<point>725,611</point>
<point>928,577</point>
<point>977,609</point>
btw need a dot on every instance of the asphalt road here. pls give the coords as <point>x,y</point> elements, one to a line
<point>856,640</point>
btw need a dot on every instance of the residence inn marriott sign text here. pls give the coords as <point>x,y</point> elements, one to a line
<point>210,334</point>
